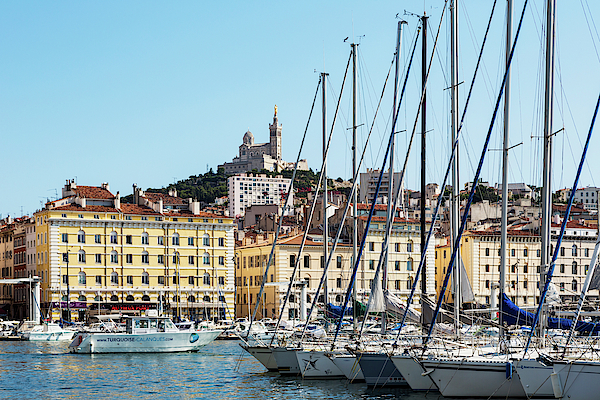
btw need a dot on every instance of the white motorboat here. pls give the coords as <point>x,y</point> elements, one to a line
<point>48,332</point>
<point>143,335</point>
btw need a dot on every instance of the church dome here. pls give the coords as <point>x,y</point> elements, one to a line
<point>248,137</point>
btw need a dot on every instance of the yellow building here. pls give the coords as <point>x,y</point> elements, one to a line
<point>96,255</point>
<point>252,257</point>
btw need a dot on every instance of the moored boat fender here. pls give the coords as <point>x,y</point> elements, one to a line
<point>509,370</point>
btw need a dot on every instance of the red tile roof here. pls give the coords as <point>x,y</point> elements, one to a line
<point>138,210</point>
<point>155,197</point>
<point>93,192</point>
<point>77,207</point>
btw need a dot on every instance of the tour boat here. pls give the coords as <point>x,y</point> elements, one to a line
<point>148,334</point>
<point>48,332</point>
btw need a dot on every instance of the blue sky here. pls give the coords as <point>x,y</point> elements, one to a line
<point>148,92</point>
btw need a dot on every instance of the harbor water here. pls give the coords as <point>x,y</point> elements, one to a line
<point>221,370</point>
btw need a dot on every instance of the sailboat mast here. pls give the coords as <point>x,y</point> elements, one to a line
<point>455,177</point>
<point>391,211</point>
<point>354,193</point>
<point>324,199</point>
<point>546,177</point>
<point>504,217</point>
<point>424,19</point>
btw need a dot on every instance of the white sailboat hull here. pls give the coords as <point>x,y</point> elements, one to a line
<point>348,364</point>
<point>412,371</point>
<point>263,354</point>
<point>576,379</point>
<point>379,370</point>
<point>287,362</point>
<point>315,364</point>
<point>51,336</point>
<point>535,378</point>
<point>470,378</point>
<point>156,342</point>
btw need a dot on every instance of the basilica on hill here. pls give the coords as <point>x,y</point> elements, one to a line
<point>261,155</point>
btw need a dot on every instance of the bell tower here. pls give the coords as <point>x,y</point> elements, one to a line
<point>275,136</point>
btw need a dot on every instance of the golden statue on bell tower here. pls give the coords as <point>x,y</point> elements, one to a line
<point>275,110</point>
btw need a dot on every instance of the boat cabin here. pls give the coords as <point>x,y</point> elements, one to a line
<point>135,325</point>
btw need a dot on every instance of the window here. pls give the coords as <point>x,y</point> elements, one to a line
<point>206,279</point>
<point>206,259</point>
<point>525,284</point>
<point>396,265</point>
<point>574,250</point>
<point>145,278</point>
<point>129,296</point>
<point>175,240</point>
<point>562,268</point>
<point>574,285</point>
<point>338,282</point>
<point>306,261</point>
<point>409,246</point>
<point>145,257</point>
<point>574,268</point>
<point>129,280</point>
<point>160,240</point>
<point>65,279</point>
<point>145,238</point>
<point>221,242</point>
<point>586,252</point>
<point>114,257</point>
<point>129,258</point>
<point>161,259</point>
<point>562,251</point>
<point>114,278</point>
<point>190,241</point>
<point>371,246</point>
<point>409,264</point>
<point>525,252</point>
<point>512,252</point>
<point>81,256</point>
<point>487,284</point>
<point>97,239</point>
<point>487,267</point>
<point>397,247</point>
<point>292,261</point>
<point>221,260</point>
<point>81,237</point>
<point>205,240</point>
<point>222,280</point>
<point>113,237</point>
<point>191,280</point>
<point>161,280</point>
<point>65,257</point>
<point>409,283</point>
<point>487,251</point>
<point>128,239</point>
<point>191,260</point>
<point>397,284</point>
<point>98,279</point>
<point>371,264</point>
<point>176,259</point>
<point>339,261</point>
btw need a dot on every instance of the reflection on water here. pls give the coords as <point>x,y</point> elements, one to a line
<point>40,370</point>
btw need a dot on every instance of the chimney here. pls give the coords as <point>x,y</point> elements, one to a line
<point>118,201</point>
<point>105,186</point>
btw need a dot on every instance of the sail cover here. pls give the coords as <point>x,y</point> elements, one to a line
<point>396,307</point>
<point>466,291</point>
<point>377,299</point>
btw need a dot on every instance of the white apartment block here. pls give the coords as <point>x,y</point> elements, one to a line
<point>246,190</point>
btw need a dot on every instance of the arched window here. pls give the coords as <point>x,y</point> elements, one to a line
<point>145,278</point>
<point>114,278</point>
<point>129,298</point>
<point>145,298</point>
<point>82,298</point>
<point>191,299</point>
<point>409,283</point>
<point>145,238</point>
<point>574,268</point>
<point>409,264</point>
<point>81,256</point>
<point>114,297</point>
<point>574,285</point>
<point>409,246</point>
<point>114,257</point>
<point>113,237</point>
<point>206,298</point>
<point>205,240</point>
<point>81,278</point>
<point>206,279</point>
<point>222,299</point>
<point>98,298</point>
<point>81,237</point>
<point>145,257</point>
<point>175,298</point>
<point>574,250</point>
<point>338,298</point>
<point>175,239</point>
<point>292,298</point>
<point>206,259</point>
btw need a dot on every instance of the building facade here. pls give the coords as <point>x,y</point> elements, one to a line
<point>95,255</point>
<point>245,190</point>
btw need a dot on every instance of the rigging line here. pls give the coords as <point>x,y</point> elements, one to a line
<point>290,190</point>
<point>337,108</point>
<point>562,229</point>
<point>371,211</point>
<point>585,14</point>
<point>475,179</point>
